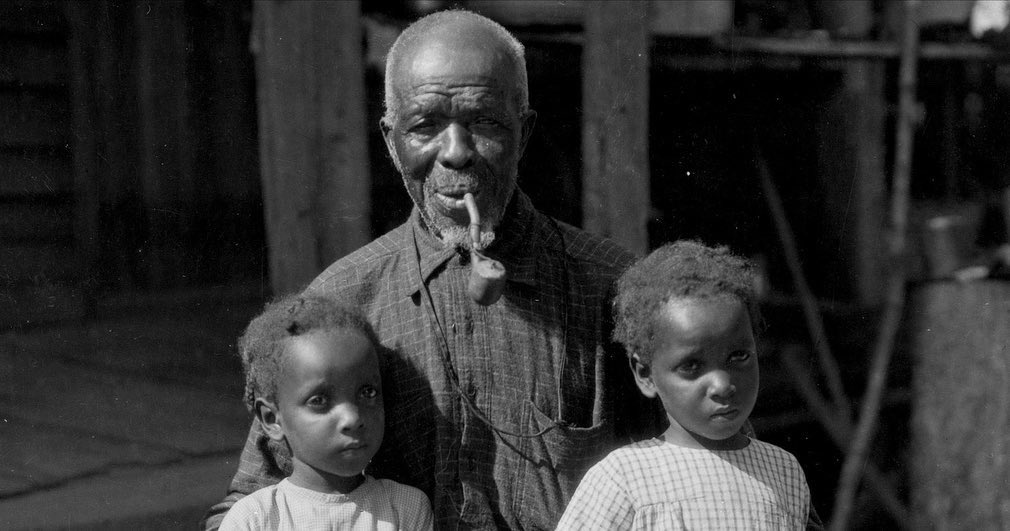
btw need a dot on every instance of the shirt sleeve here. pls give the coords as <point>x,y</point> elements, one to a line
<point>600,502</point>
<point>262,464</point>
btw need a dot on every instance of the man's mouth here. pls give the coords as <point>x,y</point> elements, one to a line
<point>453,200</point>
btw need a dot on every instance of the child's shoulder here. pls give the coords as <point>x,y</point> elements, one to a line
<point>399,490</point>
<point>771,451</point>
<point>411,504</point>
<point>253,511</point>
<point>636,452</point>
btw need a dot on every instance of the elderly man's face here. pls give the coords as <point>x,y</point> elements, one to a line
<point>458,130</point>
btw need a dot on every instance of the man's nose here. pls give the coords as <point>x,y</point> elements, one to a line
<point>721,384</point>
<point>457,150</point>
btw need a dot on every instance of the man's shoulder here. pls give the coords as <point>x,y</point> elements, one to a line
<point>367,261</point>
<point>595,251</point>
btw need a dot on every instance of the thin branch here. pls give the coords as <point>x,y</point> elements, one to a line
<point>839,429</point>
<point>815,324</point>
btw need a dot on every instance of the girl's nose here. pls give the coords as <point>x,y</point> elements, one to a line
<point>721,385</point>
<point>349,418</point>
<point>456,151</point>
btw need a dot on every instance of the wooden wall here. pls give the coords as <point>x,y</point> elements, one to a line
<point>39,276</point>
<point>128,152</point>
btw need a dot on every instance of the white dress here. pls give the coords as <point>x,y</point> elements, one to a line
<point>377,504</point>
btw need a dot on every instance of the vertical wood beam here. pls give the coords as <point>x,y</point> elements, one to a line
<point>313,152</point>
<point>615,124</point>
<point>851,164</point>
<point>166,169</point>
<point>83,34</point>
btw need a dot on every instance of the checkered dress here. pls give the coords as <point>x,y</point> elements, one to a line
<point>657,485</point>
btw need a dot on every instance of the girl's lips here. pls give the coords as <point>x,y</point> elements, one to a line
<point>726,414</point>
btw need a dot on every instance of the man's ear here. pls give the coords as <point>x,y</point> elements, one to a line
<point>387,137</point>
<point>526,130</point>
<point>269,418</point>
<point>643,376</point>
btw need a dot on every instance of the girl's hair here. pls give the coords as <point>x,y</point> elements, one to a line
<point>685,268</point>
<point>262,345</point>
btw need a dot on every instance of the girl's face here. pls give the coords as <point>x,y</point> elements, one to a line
<point>704,369</point>
<point>329,407</point>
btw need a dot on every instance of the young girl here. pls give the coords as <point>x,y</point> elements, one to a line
<point>312,380</point>
<point>687,315</point>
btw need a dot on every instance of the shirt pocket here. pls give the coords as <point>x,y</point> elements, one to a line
<point>555,462</point>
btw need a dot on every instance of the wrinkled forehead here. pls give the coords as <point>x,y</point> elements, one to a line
<point>456,56</point>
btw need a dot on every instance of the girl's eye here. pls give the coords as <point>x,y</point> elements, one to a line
<point>689,368</point>
<point>369,391</point>
<point>740,356</point>
<point>317,401</point>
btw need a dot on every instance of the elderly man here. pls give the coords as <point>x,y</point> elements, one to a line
<point>494,411</point>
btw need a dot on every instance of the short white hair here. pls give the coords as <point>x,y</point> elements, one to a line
<point>420,27</point>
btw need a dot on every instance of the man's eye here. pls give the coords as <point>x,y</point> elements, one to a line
<point>369,391</point>
<point>423,127</point>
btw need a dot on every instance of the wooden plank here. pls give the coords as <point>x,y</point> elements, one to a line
<point>40,265</point>
<point>817,48</point>
<point>615,122</point>
<point>189,419</point>
<point>22,306</point>
<point>49,455</point>
<point>32,17</point>
<point>27,173</point>
<point>313,157</point>
<point>33,62</point>
<point>36,223</point>
<point>33,118</point>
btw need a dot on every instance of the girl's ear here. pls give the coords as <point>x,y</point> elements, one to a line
<point>269,418</point>
<point>643,376</point>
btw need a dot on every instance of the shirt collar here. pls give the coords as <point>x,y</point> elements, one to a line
<point>517,245</point>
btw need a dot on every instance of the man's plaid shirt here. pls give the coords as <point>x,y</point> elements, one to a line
<point>540,359</point>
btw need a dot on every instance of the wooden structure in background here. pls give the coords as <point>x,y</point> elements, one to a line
<point>615,122</point>
<point>127,152</point>
<point>39,232</point>
<point>961,417</point>
<point>313,152</point>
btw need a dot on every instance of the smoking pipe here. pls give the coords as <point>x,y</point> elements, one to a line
<point>487,276</point>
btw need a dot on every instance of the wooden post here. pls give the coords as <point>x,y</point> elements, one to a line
<point>851,164</point>
<point>615,122</point>
<point>166,169</point>
<point>313,152</point>
<point>85,138</point>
